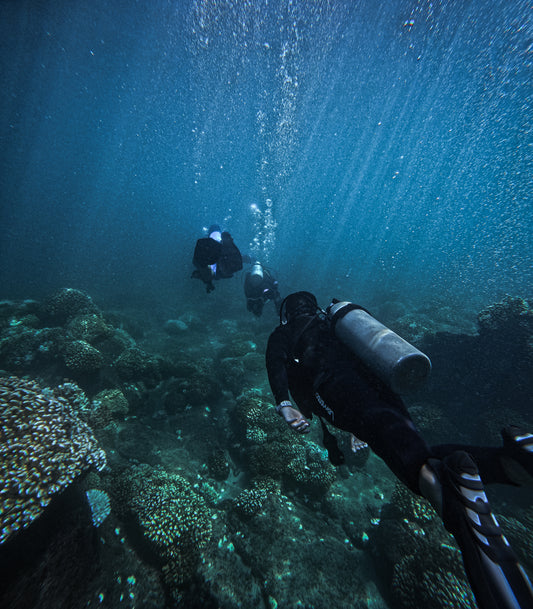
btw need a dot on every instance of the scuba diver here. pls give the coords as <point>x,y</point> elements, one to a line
<point>216,257</point>
<point>344,366</point>
<point>259,287</point>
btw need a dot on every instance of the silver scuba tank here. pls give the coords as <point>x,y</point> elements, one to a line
<point>257,270</point>
<point>395,361</point>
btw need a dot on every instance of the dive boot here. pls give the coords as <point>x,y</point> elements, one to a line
<point>496,577</point>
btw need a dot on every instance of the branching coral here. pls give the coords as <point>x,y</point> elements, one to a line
<point>44,446</point>
<point>174,519</point>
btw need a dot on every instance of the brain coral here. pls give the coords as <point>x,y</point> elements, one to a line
<point>44,446</point>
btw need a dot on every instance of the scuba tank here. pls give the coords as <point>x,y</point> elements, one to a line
<point>395,361</point>
<point>256,272</point>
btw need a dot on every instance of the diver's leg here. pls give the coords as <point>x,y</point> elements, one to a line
<point>517,456</point>
<point>455,489</point>
<point>385,426</point>
<point>511,463</point>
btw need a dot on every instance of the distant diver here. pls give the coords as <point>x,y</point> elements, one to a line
<point>216,257</point>
<point>260,286</point>
<point>342,365</point>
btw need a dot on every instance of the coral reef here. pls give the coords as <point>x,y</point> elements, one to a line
<point>24,348</point>
<point>134,364</point>
<point>429,581</point>
<point>81,357</point>
<point>251,500</point>
<point>90,328</point>
<point>67,303</point>
<point>218,465</point>
<point>301,466</point>
<point>198,388</point>
<point>418,556</point>
<point>274,451</point>
<point>512,315</point>
<point>213,497</point>
<point>253,412</point>
<point>230,372</point>
<point>44,447</point>
<point>108,405</point>
<point>174,519</point>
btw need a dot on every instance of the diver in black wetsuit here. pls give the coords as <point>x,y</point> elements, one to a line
<point>260,287</point>
<point>324,377</point>
<point>216,257</point>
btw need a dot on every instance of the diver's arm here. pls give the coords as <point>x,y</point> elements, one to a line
<point>277,355</point>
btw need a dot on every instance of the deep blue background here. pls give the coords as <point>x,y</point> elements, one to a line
<point>370,148</point>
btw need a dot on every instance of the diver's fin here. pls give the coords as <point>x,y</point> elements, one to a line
<point>517,458</point>
<point>496,577</point>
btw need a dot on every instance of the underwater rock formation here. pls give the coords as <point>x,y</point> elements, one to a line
<point>44,447</point>
<point>489,373</point>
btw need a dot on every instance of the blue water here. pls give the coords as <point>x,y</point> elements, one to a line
<point>361,149</point>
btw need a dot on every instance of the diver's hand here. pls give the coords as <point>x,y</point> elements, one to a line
<point>295,419</point>
<point>356,444</point>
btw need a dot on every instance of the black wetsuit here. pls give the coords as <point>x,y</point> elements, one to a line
<point>230,259</point>
<point>259,292</point>
<point>324,377</point>
<point>224,253</point>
